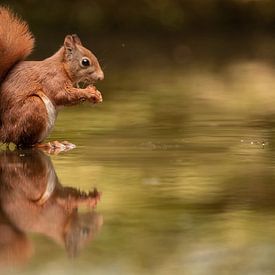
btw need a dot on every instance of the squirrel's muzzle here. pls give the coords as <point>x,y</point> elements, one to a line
<point>99,75</point>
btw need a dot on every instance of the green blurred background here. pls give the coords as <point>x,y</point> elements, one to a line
<point>145,16</point>
<point>144,27</point>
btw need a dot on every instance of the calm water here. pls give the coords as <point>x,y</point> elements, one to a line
<point>186,168</point>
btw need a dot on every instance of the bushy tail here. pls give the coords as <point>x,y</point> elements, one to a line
<point>16,41</point>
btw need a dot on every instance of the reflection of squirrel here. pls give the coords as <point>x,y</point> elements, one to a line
<point>31,91</point>
<point>33,200</point>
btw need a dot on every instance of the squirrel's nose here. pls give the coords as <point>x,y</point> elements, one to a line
<point>100,75</point>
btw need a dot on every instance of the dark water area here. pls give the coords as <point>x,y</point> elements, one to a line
<point>181,151</point>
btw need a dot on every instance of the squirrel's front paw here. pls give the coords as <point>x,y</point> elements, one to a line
<point>94,95</point>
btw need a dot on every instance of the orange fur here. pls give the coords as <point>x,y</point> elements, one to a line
<point>16,41</point>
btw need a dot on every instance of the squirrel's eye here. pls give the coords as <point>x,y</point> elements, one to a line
<point>85,62</point>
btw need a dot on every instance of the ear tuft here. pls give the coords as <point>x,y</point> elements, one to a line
<point>76,39</point>
<point>69,42</point>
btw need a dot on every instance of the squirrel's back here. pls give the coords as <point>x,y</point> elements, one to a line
<point>16,41</point>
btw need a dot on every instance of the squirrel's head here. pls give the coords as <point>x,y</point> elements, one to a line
<point>80,63</point>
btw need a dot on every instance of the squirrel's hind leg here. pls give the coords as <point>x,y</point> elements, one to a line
<point>25,125</point>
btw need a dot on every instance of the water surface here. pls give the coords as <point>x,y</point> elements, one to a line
<point>184,160</point>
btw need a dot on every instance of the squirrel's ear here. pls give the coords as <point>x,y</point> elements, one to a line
<point>76,39</point>
<point>69,42</point>
<point>69,46</point>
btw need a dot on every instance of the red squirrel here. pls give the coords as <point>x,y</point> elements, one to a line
<point>32,199</point>
<point>31,92</point>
